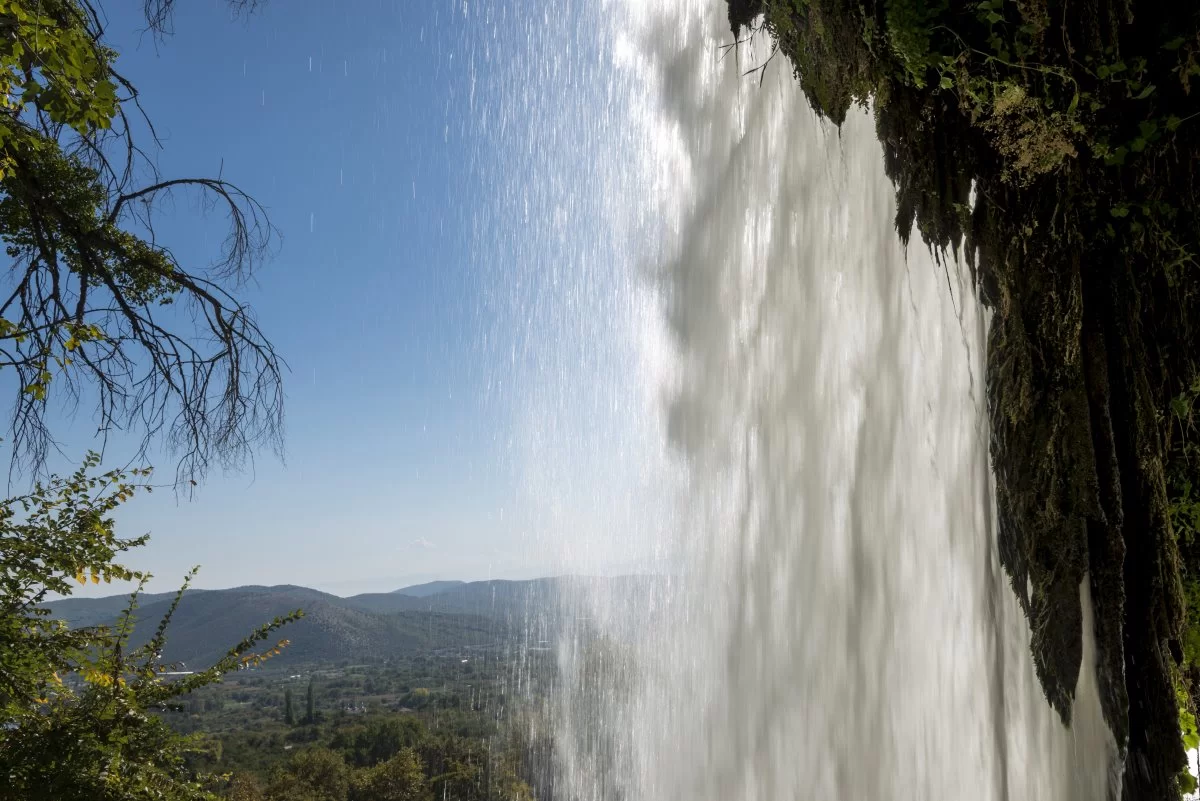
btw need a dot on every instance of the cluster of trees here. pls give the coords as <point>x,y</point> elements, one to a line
<point>393,758</point>
<point>374,757</point>
<point>310,708</point>
<point>318,774</point>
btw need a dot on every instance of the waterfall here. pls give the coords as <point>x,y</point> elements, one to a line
<point>783,417</point>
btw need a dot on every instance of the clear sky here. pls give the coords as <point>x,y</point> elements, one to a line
<point>443,273</point>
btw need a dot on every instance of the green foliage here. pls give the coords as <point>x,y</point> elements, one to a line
<point>1187,724</point>
<point>830,52</point>
<point>1191,735</point>
<point>909,24</point>
<point>314,774</point>
<point>1191,637</point>
<point>56,206</point>
<point>992,56</point>
<point>400,778</point>
<point>289,713</point>
<point>61,532</point>
<point>378,740</point>
<point>50,61</point>
<point>100,743</point>
<point>1183,470</point>
<point>244,787</point>
<point>79,707</point>
<point>482,746</point>
<point>1183,495</point>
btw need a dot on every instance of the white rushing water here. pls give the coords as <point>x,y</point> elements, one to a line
<point>786,410</point>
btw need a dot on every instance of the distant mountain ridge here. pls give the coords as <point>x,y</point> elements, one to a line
<point>441,614</point>
<point>428,588</point>
<point>208,622</point>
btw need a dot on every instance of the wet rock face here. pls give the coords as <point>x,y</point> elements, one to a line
<point>1092,333</point>
<point>742,14</point>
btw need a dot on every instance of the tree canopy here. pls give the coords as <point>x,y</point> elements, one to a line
<point>87,313</point>
<point>78,705</point>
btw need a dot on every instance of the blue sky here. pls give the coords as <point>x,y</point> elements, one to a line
<point>354,127</point>
<point>447,291</point>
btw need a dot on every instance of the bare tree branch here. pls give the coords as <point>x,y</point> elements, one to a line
<point>97,309</point>
<point>160,13</point>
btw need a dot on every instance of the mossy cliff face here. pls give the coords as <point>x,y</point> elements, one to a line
<point>1078,125</point>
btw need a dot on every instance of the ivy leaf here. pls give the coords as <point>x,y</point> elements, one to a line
<point>1116,157</point>
<point>1180,407</point>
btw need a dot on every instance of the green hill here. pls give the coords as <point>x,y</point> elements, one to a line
<point>464,614</point>
<point>208,622</point>
<point>428,588</point>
